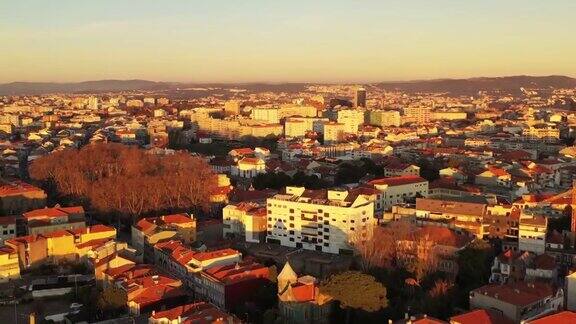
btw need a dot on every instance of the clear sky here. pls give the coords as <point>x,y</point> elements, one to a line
<point>284,40</point>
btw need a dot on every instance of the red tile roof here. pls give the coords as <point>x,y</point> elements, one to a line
<point>53,212</point>
<point>480,316</point>
<point>564,317</point>
<point>398,181</point>
<point>209,255</point>
<point>519,294</point>
<point>229,274</point>
<point>17,188</point>
<point>199,313</point>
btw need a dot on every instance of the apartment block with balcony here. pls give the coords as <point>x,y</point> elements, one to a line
<point>321,220</point>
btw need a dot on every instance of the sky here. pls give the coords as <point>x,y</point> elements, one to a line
<point>284,40</point>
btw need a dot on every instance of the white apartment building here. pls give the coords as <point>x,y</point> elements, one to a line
<point>397,189</point>
<point>334,132</point>
<point>266,114</point>
<point>298,126</point>
<point>246,219</point>
<point>321,220</point>
<point>532,233</point>
<point>351,118</point>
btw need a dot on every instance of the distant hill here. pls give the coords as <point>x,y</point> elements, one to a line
<point>30,88</point>
<point>510,84</point>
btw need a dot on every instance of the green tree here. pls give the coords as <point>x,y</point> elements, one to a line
<point>355,290</point>
<point>473,267</point>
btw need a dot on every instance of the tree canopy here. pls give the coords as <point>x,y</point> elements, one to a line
<point>114,179</point>
<point>354,289</point>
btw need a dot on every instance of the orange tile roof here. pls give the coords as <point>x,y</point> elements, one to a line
<point>198,313</point>
<point>56,234</point>
<point>16,188</point>
<point>53,212</point>
<point>562,317</point>
<point>239,272</point>
<point>519,294</point>
<point>156,293</point>
<point>480,316</point>
<point>398,181</point>
<point>204,256</point>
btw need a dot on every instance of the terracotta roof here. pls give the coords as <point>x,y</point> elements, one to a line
<point>237,272</point>
<point>450,206</point>
<point>56,234</point>
<point>16,188</point>
<point>398,181</point>
<point>156,293</point>
<point>53,212</point>
<point>204,256</point>
<point>562,317</point>
<point>519,294</point>
<point>199,313</point>
<point>480,316</point>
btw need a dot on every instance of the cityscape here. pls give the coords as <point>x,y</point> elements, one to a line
<point>193,162</point>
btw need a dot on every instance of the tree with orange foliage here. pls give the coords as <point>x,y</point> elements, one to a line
<point>114,179</point>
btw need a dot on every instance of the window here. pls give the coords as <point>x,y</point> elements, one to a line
<point>291,218</point>
<point>291,232</point>
<point>291,211</point>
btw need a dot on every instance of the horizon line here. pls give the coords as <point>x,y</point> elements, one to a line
<point>344,82</point>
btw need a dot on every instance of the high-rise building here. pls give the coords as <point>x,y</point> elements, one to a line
<point>360,98</point>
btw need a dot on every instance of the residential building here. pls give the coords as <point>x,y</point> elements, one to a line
<point>418,115</point>
<point>9,264</point>
<point>32,250</point>
<point>396,190</point>
<point>149,231</point>
<point>246,219</point>
<point>518,301</point>
<point>7,228</point>
<point>384,118</point>
<point>197,313</point>
<point>47,220</point>
<point>465,215</point>
<point>229,285</point>
<point>321,220</point>
<point>351,119</point>
<point>532,233</point>
<point>401,169</point>
<point>17,197</point>
<point>334,132</point>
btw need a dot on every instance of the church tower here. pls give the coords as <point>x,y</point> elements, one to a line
<point>286,277</point>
